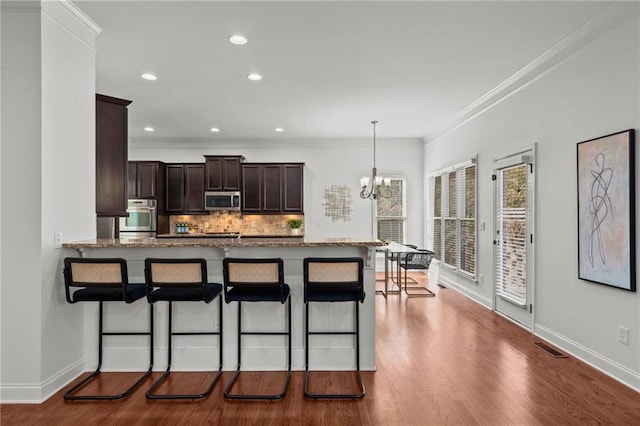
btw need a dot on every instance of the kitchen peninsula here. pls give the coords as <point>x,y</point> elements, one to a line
<point>331,352</point>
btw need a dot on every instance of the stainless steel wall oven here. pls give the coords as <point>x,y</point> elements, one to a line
<point>142,220</point>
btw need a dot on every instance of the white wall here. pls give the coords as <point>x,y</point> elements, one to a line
<point>68,175</point>
<point>47,185</point>
<point>21,204</point>
<point>593,93</point>
<point>327,162</point>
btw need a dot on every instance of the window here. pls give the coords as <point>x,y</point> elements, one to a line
<point>452,217</point>
<point>390,212</point>
<point>511,218</point>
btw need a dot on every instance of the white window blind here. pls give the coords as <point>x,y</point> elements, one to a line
<point>467,219</point>
<point>452,217</point>
<point>511,259</point>
<point>434,239</point>
<point>390,212</point>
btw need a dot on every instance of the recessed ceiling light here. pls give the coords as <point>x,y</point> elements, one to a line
<point>254,77</point>
<point>279,129</point>
<point>238,39</point>
<point>149,129</point>
<point>215,129</point>
<point>149,76</point>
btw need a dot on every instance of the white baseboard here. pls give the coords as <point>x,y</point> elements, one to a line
<point>26,393</point>
<point>20,393</point>
<point>607,366</point>
<point>185,359</point>
<point>473,295</point>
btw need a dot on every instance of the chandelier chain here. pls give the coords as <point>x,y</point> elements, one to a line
<point>374,122</point>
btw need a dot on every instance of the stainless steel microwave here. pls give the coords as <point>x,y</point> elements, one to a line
<point>226,200</point>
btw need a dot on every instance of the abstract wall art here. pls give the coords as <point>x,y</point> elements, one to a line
<point>337,205</point>
<point>606,213</point>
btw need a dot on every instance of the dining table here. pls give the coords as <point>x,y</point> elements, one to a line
<point>390,249</point>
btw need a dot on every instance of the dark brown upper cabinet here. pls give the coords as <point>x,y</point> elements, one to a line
<point>272,188</point>
<point>222,173</point>
<point>175,188</point>
<point>194,188</point>
<point>293,188</point>
<point>251,188</point>
<point>146,179</point>
<point>111,156</point>
<point>185,188</point>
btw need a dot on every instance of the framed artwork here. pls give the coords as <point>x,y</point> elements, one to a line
<point>606,210</point>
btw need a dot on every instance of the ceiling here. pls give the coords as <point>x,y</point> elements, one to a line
<point>328,68</point>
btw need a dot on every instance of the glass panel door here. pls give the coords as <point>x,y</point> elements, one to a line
<point>514,237</point>
<point>511,235</point>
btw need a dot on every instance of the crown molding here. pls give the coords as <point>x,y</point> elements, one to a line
<point>72,20</point>
<point>73,10</point>
<point>32,6</point>
<point>606,20</point>
<point>63,12</point>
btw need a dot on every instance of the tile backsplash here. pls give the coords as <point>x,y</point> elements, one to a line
<point>247,224</point>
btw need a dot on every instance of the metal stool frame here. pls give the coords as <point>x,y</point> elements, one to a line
<point>102,291</point>
<point>175,291</point>
<point>255,291</point>
<point>343,291</point>
<point>419,260</point>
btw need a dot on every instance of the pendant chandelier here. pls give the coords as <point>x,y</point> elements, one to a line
<point>377,186</point>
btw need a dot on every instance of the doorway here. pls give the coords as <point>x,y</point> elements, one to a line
<point>513,238</point>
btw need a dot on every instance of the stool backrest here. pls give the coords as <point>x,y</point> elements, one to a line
<point>94,272</point>
<point>253,273</point>
<point>334,273</point>
<point>420,259</point>
<point>175,273</point>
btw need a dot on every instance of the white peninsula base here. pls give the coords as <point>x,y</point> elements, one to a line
<point>198,353</point>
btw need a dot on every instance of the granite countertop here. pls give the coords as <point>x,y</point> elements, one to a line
<point>224,242</point>
<point>209,235</point>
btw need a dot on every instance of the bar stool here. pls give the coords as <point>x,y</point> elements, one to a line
<point>338,279</point>
<point>182,280</point>
<point>103,280</point>
<point>421,259</point>
<point>256,280</point>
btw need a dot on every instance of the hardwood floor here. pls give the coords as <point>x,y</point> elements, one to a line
<point>441,360</point>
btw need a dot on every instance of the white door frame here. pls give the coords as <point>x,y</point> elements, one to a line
<point>526,155</point>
